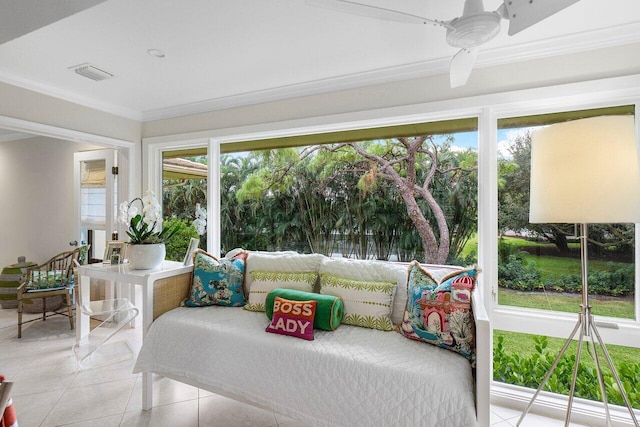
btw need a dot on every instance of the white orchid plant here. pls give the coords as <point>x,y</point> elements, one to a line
<point>200,223</point>
<point>145,228</point>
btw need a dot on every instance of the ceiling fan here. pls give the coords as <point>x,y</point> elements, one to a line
<point>467,32</point>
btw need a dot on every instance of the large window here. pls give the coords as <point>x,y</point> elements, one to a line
<point>539,264</point>
<point>184,185</point>
<point>539,267</point>
<point>352,199</point>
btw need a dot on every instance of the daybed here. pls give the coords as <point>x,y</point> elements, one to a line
<point>350,376</point>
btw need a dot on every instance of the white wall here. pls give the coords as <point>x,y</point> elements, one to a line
<point>36,198</point>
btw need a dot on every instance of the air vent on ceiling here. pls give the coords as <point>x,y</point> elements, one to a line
<point>91,72</point>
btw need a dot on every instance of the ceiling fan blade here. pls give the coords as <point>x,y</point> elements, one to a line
<point>369,11</point>
<point>461,65</point>
<point>524,13</point>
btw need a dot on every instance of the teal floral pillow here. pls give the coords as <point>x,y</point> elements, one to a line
<point>440,312</point>
<point>216,282</point>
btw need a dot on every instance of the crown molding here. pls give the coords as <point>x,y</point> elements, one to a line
<point>566,45</point>
<point>316,87</point>
<point>41,129</point>
<point>14,136</point>
<point>573,43</point>
<point>69,96</point>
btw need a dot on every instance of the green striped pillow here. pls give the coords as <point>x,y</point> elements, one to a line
<point>366,303</point>
<point>263,282</point>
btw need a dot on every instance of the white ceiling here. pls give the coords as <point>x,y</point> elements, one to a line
<point>221,54</point>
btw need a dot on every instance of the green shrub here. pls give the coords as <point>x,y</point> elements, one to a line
<point>618,281</point>
<point>516,274</point>
<point>470,259</point>
<point>506,250</point>
<point>529,370</point>
<point>179,243</point>
<point>571,283</point>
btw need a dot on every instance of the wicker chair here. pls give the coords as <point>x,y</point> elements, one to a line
<point>53,278</point>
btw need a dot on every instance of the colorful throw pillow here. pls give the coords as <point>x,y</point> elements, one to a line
<point>216,282</point>
<point>263,282</point>
<point>366,303</point>
<point>293,318</point>
<point>329,308</point>
<point>440,312</point>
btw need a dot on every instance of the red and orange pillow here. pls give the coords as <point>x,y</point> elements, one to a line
<point>293,318</point>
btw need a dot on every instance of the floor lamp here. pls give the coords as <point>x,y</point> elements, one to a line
<point>584,172</point>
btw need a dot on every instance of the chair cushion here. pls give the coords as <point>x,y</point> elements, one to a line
<point>47,280</point>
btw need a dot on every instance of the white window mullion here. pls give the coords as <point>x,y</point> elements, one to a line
<point>214,238</point>
<point>637,234</point>
<point>488,208</point>
<point>637,284</point>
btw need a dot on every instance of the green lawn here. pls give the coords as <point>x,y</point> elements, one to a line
<point>470,247</point>
<point>517,241</point>
<point>549,266</point>
<point>554,265</point>
<point>612,307</point>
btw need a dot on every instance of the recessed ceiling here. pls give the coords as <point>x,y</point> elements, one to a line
<point>219,54</point>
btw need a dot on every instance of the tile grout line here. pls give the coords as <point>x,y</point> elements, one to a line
<point>53,407</point>
<point>133,389</point>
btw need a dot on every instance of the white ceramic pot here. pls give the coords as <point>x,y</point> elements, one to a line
<point>146,257</point>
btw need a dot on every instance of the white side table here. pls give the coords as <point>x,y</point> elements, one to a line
<point>123,273</point>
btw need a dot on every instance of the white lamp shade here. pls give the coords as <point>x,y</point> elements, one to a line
<point>586,171</point>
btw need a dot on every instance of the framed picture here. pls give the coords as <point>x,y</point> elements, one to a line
<point>193,245</point>
<point>114,252</point>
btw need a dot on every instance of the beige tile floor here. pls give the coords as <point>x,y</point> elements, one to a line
<point>50,390</point>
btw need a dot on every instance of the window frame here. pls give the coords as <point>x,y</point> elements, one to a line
<point>546,322</point>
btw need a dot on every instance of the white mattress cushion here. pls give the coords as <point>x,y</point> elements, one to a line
<point>348,377</point>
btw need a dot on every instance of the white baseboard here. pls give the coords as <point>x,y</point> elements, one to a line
<point>555,406</point>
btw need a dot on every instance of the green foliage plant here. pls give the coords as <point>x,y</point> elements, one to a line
<point>528,370</point>
<point>178,244</point>
<point>516,273</point>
